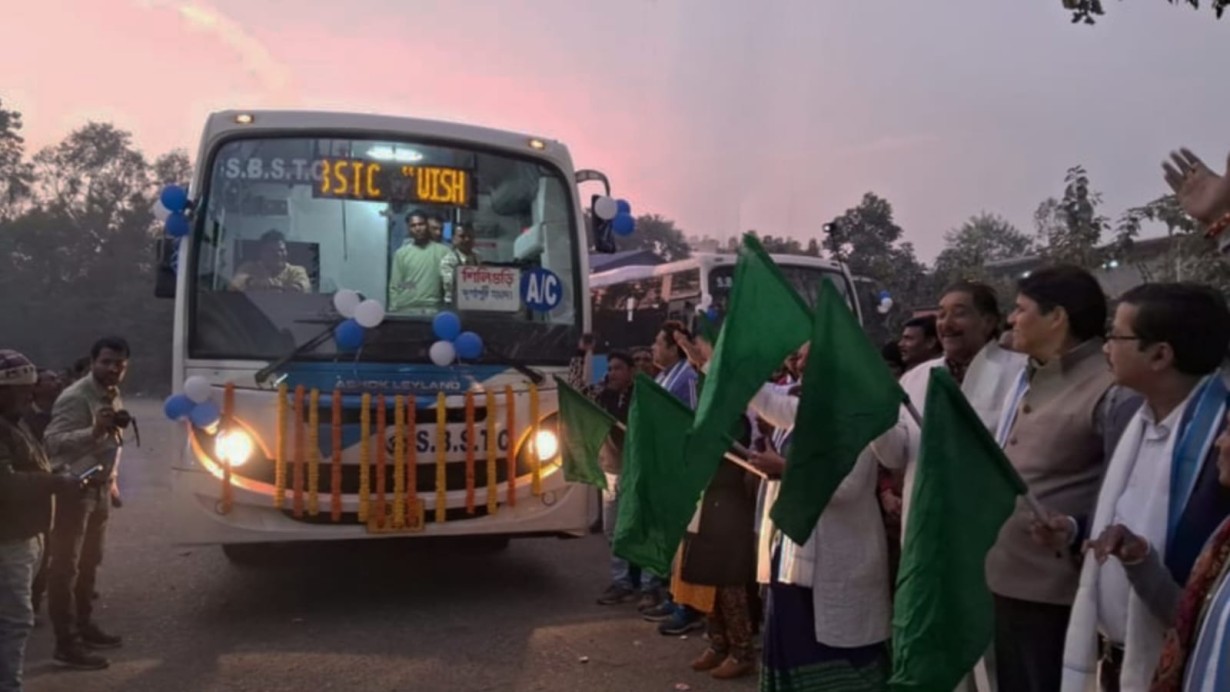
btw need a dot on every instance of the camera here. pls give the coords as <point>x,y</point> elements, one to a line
<point>123,419</point>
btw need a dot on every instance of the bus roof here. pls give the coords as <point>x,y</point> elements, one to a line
<point>699,259</point>
<point>225,123</point>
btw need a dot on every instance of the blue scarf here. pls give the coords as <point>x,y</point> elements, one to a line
<point>1200,425</point>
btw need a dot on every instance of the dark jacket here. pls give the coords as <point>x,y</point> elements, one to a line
<point>25,484</point>
<point>723,551</point>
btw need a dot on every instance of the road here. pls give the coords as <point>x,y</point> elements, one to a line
<point>373,615</point>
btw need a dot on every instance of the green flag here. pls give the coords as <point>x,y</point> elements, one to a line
<point>766,321</point>
<point>849,398</point>
<point>584,427</point>
<point>658,493</point>
<point>964,490</point>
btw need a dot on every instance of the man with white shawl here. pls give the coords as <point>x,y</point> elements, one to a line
<point>1160,499</point>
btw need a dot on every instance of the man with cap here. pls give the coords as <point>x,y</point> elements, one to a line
<point>26,488</point>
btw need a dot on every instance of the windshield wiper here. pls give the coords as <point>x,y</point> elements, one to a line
<point>264,373</point>
<point>493,355</point>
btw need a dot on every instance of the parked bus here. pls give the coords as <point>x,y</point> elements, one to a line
<point>318,203</point>
<point>631,303</point>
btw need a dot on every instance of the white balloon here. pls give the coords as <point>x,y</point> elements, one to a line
<point>197,388</point>
<point>606,208</point>
<point>442,353</point>
<point>160,212</point>
<point>345,301</point>
<point>369,313</point>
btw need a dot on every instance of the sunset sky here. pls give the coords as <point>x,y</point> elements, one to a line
<point>721,114</point>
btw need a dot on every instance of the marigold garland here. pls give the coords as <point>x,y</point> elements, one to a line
<point>365,457</point>
<point>313,470</point>
<point>228,415</point>
<point>300,453</point>
<point>381,458</point>
<point>535,460</point>
<point>470,442</point>
<point>415,510</point>
<point>493,499</point>
<point>511,403</point>
<point>399,462</point>
<point>279,458</point>
<point>441,458</point>
<point>335,469</point>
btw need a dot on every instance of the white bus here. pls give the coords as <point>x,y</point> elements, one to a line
<point>316,203</point>
<point>631,303</point>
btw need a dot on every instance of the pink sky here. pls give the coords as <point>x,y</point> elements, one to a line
<point>721,114</point>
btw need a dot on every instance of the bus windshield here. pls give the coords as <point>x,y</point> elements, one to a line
<point>805,280</point>
<point>287,222</point>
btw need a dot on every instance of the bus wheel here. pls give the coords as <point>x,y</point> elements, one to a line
<point>246,554</point>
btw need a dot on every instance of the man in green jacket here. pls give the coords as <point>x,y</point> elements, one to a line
<point>26,489</point>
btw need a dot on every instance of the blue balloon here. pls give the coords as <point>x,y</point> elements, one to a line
<point>712,314</point>
<point>205,414</point>
<point>174,198</point>
<point>349,335</point>
<point>469,345</point>
<point>178,406</point>
<point>447,325</point>
<point>177,225</point>
<point>623,224</point>
<point>623,207</point>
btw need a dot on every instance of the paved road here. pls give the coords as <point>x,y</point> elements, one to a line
<point>373,616</point>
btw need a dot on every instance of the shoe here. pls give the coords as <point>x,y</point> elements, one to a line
<point>648,601</point>
<point>733,668</point>
<point>681,622</point>
<point>708,661</point>
<point>659,613</point>
<point>616,594</point>
<point>94,638</point>
<point>76,657</point>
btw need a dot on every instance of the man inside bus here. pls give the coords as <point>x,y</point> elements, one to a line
<point>461,254</point>
<point>271,271</point>
<point>435,224</point>
<point>416,279</point>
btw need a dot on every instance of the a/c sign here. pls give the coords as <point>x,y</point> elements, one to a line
<point>541,290</point>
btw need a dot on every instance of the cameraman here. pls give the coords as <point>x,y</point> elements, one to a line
<point>26,487</point>
<point>85,428</point>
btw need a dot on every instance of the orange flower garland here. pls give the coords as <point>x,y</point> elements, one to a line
<point>313,471</point>
<point>381,454</point>
<point>279,458</point>
<point>470,442</point>
<point>365,457</point>
<point>228,414</point>
<point>335,470</point>
<point>493,498</point>
<point>441,458</point>
<point>512,437</point>
<point>415,511</point>
<point>300,452</point>
<point>535,460</point>
<point>399,462</point>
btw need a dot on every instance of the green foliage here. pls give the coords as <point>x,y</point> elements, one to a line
<point>1086,10</point>
<point>981,239</point>
<point>657,234</point>
<point>1070,229</point>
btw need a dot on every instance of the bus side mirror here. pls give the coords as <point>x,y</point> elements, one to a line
<point>604,233</point>
<point>166,251</point>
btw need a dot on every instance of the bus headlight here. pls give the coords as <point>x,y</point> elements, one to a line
<point>546,445</point>
<point>233,447</point>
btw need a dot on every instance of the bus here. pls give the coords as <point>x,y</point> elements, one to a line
<point>631,303</point>
<point>317,442</point>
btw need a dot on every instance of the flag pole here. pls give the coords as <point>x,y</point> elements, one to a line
<point>728,456</point>
<point>1030,500</point>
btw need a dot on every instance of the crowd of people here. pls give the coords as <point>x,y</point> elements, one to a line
<point>1114,415</point>
<point>60,441</point>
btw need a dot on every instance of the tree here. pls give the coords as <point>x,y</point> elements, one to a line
<point>867,239</point>
<point>1086,10</point>
<point>982,239</point>
<point>775,245</point>
<point>173,167</point>
<point>16,176</point>
<point>1187,257</point>
<point>1070,229</point>
<point>658,235</point>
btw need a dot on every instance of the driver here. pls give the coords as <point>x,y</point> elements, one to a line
<point>271,271</point>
